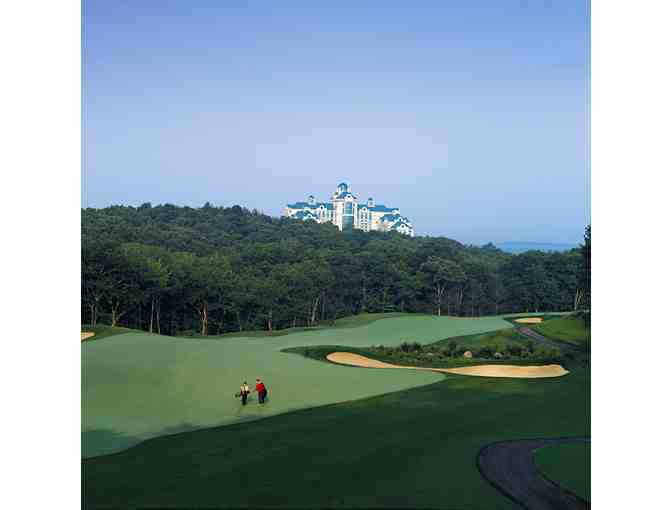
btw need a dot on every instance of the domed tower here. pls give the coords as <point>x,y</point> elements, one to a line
<point>311,200</point>
<point>343,187</point>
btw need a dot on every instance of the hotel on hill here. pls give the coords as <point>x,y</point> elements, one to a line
<point>345,212</point>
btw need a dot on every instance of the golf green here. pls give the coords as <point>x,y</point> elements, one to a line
<point>137,386</point>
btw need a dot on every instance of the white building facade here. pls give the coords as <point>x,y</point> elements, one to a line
<point>346,213</point>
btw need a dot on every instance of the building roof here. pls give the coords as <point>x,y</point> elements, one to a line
<point>344,194</point>
<point>390,217</point>
<point>382,208</point>
<point>305,215</point>
<point>301,205</point>
<point>306,205</point>
<point>402,222</point>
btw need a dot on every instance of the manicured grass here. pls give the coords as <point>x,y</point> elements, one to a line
<point>141,386</point>
<point>410,449</point>
<point>571,329</point>
<point>261,334</point>
<point>354,321</point>
<point>567,465</point>
<point>104,331</point>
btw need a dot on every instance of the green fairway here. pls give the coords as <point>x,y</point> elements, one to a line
<point>571,329</point>
<point>104,331</point>
<point>346,322</point>
<point>568,465</point>
<point>410,449</point>
<point>137,386</point>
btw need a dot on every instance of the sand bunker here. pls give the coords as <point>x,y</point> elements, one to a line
<point>513,371</point>
<point>87,334</point>
<point>529,320</point>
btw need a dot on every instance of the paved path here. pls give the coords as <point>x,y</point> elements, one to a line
<point>538,337</point>
<point>509,466</point>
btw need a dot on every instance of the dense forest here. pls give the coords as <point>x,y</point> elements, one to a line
<point>211,270</point>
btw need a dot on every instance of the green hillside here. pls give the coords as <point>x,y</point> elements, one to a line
<point>137,386</point>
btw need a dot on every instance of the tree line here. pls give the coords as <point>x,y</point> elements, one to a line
<point>211,270</point>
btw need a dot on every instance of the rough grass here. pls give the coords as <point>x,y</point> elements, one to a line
<point>567,465</point>
<point>410,449</point>
<point>501,338</point>
<point>572,329</point>
<point>430,357</point>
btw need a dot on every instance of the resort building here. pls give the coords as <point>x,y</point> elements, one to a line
<point>345,212</point>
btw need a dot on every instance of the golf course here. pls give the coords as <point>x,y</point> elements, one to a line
<point>161,426</point>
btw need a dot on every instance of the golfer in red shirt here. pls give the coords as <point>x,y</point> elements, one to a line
<point>260,388</point>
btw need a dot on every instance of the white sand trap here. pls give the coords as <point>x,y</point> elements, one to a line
<point>87,334</point>
<point>512,371</point>
<point>529,320</point>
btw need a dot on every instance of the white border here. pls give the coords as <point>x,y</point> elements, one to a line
<point>40,162</point>
<point>631,87</point>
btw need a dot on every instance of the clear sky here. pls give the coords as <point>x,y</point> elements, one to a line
<point>471,116</point>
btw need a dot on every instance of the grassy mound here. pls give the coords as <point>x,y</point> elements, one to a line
<point>567,465</point>
<point>573,329</point>
<point>141,386</point>
<point>354,321</point>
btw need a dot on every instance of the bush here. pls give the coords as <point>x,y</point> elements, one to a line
<point>514,350</point>
<point>530,346</point>
<point>552,352</point>
<point>410,347</point>
<point>485,352</point>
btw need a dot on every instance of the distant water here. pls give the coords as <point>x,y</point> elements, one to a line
<point>522,247</point>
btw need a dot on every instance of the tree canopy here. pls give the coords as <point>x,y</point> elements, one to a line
<point>211,270</point>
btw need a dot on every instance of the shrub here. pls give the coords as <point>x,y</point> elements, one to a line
<point>530,345</point>
<point>485,352</point>
<point>552,352</point>
<point>514,350</point>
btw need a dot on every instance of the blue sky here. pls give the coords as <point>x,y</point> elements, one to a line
<point>470,116</point>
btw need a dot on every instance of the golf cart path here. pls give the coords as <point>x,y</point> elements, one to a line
<point>511,371</point>
<point>539,338</point>
<point>509,466</point>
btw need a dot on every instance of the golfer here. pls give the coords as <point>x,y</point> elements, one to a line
<point>260,388</point>
<point>244,392</point>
